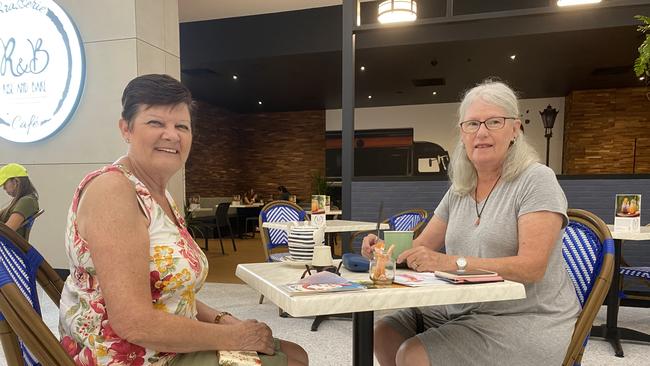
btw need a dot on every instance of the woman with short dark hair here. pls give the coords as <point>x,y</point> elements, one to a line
<point>135,269</point>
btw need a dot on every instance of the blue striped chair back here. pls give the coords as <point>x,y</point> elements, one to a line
<point>639,272</point>
<point>583,254</point>
<point>405,221</point>
<point>280,213</point>
<point>20,269</point>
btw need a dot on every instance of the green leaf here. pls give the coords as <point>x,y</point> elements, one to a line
<point>642,63</point>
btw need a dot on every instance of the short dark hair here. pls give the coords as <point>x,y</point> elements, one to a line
<point>153,90</point>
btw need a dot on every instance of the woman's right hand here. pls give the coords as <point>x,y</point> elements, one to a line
<point>251,335</point>
<point>368,243</point>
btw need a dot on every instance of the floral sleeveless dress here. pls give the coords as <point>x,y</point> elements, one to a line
<point>178,269</point>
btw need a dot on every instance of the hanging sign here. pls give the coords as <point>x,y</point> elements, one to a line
<point>42,69</point>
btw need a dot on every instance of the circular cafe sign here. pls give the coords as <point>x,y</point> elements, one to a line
<point>42,69</point>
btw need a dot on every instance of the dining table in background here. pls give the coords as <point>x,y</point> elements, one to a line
<point>610,331</point>
<point>332,227</point>
<point>268,278</point>
<point>329,213</point>
<point>246,213</point>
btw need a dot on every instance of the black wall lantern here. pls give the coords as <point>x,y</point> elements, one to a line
<point>548,119</point>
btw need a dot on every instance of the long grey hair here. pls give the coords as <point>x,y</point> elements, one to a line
<point>521,155</point>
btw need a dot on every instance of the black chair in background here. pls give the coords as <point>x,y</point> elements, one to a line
<point>199,229</point>
<point>223,221</point>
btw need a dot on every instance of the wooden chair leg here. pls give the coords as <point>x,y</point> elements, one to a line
<point>10,345</point>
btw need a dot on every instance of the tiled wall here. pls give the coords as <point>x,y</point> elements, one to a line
<point>600,129</point>
<point>233,152</point>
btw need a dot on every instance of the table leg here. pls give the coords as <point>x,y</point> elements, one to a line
<point>362,338</point>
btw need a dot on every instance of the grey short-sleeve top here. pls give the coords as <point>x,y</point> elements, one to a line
<point>535,189</point>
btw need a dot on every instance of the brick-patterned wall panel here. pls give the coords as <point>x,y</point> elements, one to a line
<point>283,149</point>
<point>213,167</point>
<point>233,152</point>
<point>600,130</point>
<point>643,155</point>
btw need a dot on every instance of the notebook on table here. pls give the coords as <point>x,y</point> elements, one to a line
<point>239,358</point>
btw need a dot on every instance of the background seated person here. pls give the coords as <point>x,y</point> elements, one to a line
<point>504,212</point>
<point>283,193</point>
<point>249,197</point>
<point>24,202</point>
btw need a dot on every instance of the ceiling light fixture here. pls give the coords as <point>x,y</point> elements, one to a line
<point>362,68</point>
<point>576,2</point>
<point>369,96</point>
<point>435,93</point>
<point>259,102</point>
<point>234,77</point>
<point>395,11</point>
<point>513,57</point>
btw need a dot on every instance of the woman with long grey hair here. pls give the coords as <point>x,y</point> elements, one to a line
<point>504,212</point>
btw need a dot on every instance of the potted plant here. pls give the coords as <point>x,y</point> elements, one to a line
<point>642,63</point>
<point>319,184</point>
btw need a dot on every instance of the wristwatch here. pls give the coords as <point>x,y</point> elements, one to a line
<point>461,263</point>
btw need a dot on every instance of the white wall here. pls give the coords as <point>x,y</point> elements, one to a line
<point>122,39</point>
<point>437,123</point>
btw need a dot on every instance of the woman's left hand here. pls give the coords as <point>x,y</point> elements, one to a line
<point>423,259</point>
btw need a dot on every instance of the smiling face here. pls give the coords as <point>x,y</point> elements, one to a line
<point>160,137</point>
<point>488,148</point>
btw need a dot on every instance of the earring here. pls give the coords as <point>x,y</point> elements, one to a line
<point>127,140</point>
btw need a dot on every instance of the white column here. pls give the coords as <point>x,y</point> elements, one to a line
<point>122,39</point>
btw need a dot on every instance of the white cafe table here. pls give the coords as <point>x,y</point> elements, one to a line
<point>331,226</point>
<point>329,213</point>
<point>252,205</point>
<point>202,212</point>
<point>267,278</point>
<point>610,331</point>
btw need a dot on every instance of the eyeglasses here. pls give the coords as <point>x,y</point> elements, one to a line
<point>492,123</point>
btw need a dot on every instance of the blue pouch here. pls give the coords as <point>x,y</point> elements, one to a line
<point>356,262</point>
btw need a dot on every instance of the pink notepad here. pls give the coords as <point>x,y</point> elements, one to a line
<point>470,276</point>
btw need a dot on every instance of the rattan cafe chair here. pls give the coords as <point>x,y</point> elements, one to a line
<point>588,250</point>
<point>410,220</point>
<point>277,211</point>
<point>26,340</point>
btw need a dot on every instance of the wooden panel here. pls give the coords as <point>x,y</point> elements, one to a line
<point>600,129</point>
<point>233,152</point>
